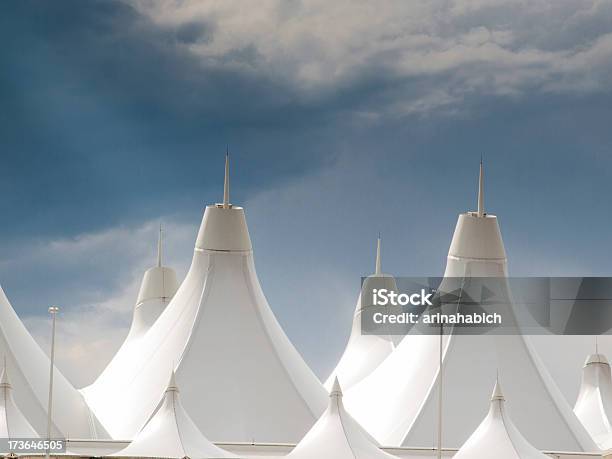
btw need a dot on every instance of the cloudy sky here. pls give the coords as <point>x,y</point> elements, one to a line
<point>344,119</point>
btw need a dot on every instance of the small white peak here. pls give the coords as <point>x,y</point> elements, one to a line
<point>497,391</point>
<point>4,380</point>
<point>336,389</point>
<point>172,383</point>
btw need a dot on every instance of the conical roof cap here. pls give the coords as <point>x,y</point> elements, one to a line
<point>497,436</point>
<point>170,433</point>
<point>336,435</point>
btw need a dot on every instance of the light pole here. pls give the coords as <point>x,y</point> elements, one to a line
<point>53,310</point>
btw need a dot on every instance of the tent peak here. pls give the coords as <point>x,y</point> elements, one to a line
<point>172,387</point>
<point>4,380</point>
<point>336,389</point>
<point>497,391</point>
<point>596,358</point>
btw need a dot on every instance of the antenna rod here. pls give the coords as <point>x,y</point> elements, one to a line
<point>53,310</point>
<point>159,247</point>
<point>378,262</point>
<point>226,182</point>
<point>481,191</point>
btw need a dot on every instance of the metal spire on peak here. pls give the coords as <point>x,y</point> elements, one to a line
<point>172,383</point>
<point>378,260</point>
<point>497,392</point>
<point>226,203</point>
<point>159,247</point>
<point>481,211</point>
<point>4,381</point>
<point>336,389</point>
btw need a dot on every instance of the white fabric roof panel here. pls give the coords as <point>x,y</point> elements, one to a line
<point>158,287</point>
<point>170,433</point>
<point>405,412</point>
<point>497,436</point>
<point>594,403</point>
<point>336,435</point>
<point>243,380</point>
<point>29,366</point>
<point>363,353</point>
<point>13,423</point>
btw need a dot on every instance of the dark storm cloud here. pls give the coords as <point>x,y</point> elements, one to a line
<point>107,118</point>
<point>112,116</point>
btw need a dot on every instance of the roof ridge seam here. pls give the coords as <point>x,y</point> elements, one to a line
<point>338,406</point>
<point>503,418</point>
<point>178,429</point>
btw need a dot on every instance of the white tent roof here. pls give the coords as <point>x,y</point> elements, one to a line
<point>13,424</point>
<point>497,436</point>
<point>242,378</point>
<point>404,413</point>
<point>594,404</point>
<point>336,435</point>
<point>158,286</point>
<point>363,353</point>
<point>28,366</point>
<point>170,433</point>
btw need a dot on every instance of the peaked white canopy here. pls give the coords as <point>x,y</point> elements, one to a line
<point>336,435</point>
<point>497,436</point>
<point>363,353</point>
<point>170,433</point>
<point>404,412</point>
<point>13,423</point>
<point>29,368</point>
<point>242,378</point>
<point>594,403</point>
<point>158,286</point>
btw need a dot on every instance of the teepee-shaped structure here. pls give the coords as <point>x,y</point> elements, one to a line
<point>242,378</point>
<point>29,368</point>
<point>170,433</point>
<point>497,436</point>
<point>336,435</point>
<point>363,353</point>
<point>407,411</point>
<point>594,403</point>
<point>13,424</point>
<point>158,286</point>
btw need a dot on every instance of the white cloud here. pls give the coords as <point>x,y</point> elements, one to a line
<point>489,46</point>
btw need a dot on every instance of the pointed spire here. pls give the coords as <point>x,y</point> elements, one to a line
<point>378,262</point>
<point>226,203</point>
<point>172,383</point>
<point>4,381</point>
<point>481,211</point>
<point>159,247</point>
<point>336,389</point>
<point>497,392</point>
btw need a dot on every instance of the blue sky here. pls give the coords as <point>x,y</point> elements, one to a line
<point>343,119</point>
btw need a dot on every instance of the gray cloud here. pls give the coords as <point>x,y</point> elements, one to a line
<point>485,47</point>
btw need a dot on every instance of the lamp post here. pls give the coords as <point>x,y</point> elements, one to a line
<point>53,310</point>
